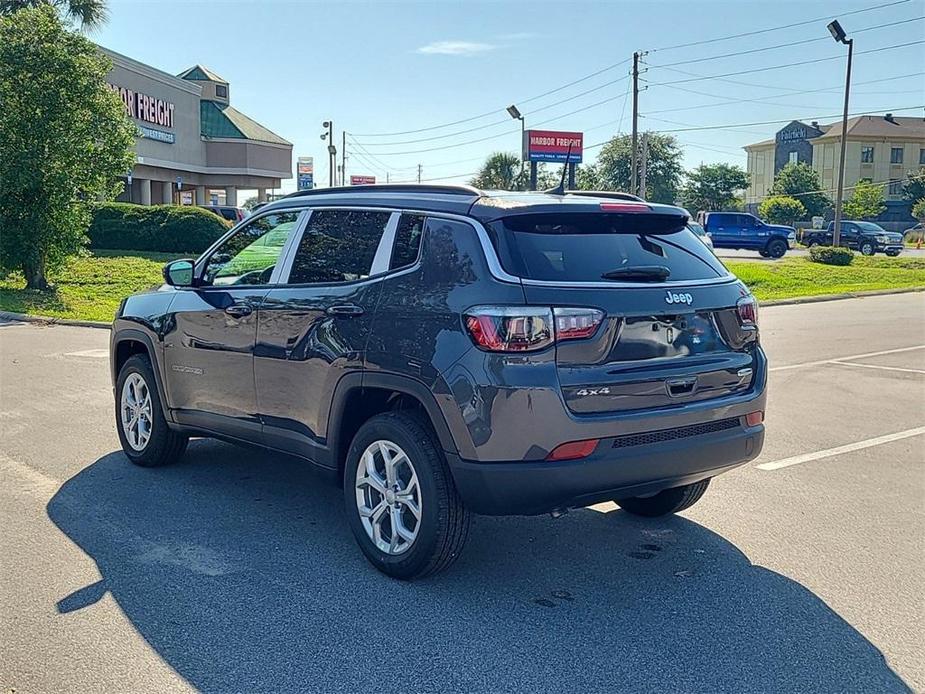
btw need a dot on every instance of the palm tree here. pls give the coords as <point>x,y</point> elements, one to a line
<point>501,171</point>
<point>90,14</point>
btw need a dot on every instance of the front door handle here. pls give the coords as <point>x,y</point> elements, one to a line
<point>239,310</point>
<point>345,310</point>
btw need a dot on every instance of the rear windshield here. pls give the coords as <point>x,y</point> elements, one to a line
<point>582,247</point>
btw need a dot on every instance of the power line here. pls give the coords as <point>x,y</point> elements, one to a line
<point>623,62</point>
<point>785,65</point>
<point>785,26</point>
<point>779,120</point>
<point>789,44</point>
<point>505,120</point>
<point>879,184</point>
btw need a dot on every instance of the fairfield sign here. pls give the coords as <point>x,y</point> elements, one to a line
<point>145,108</point>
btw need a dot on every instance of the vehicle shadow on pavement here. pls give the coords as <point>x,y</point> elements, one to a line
<point>238,568</point>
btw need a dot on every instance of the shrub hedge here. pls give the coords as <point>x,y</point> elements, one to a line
<point>829,255</point>
<point>162,228</point>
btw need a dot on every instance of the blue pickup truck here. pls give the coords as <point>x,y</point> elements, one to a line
<point>739,230</point>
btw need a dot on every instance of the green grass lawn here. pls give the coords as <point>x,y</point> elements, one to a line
<point>794,277</point>
<point>90,288</point>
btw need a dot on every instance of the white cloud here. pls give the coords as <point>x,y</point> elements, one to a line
<point>455,48</point>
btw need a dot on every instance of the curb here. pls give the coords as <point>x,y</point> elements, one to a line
<point>838,297</point>
<point>49,320</point>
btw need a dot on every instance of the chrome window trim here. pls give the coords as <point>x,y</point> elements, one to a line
<point>491,257</point>
<point>383,257</point>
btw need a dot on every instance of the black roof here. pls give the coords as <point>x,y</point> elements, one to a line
<point>459,199</point>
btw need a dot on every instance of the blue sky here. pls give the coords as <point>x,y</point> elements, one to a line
<point>379,67</point>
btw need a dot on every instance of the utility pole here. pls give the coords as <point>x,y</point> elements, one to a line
<point>419,172</point>
<point>343,158</point>
<point>643,165</point>
<point>634,157</point>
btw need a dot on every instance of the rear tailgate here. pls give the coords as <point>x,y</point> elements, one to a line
<point>660,343</point>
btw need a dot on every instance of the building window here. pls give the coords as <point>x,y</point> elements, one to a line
<point>867,155</point>
<point>896,187</point>
<point>896,155</point>
<point>793,157</point>
<point>221,91</point>
<point>922,156</point>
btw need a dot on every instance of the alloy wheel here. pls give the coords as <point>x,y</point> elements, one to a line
<point>388,497</point>
<point>136,411</point>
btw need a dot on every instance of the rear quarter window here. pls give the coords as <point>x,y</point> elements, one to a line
<point>581,247</point>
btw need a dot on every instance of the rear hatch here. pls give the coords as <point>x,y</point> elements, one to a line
<point>670,330</point>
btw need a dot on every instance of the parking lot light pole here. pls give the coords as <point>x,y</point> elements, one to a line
<point>515,113</point>
<point>839,35</point>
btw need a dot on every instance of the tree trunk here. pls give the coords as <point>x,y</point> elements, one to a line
<point>34,272</point>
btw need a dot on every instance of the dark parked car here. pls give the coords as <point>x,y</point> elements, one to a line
<point>441,351</point>
<point>866,237</point>
<point>232,214</point>
<point>740,230</point>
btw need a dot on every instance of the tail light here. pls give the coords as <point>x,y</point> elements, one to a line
<point>529,328</point>
<point>625,207</point>
<point>747,309</point>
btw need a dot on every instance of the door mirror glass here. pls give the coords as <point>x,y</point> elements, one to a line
<point>179,273</point>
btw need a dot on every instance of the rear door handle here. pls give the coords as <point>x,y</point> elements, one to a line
<point>345,310</point>
<point>239,310</point>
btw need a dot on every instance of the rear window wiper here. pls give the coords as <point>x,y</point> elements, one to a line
<point>639,273</point>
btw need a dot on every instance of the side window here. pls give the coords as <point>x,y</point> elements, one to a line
<point>338,246</point>
<point>249,256</point>
<point>407,241</point>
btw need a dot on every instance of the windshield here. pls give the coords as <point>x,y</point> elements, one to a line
<point>870,226</point>
<point>587,247</point>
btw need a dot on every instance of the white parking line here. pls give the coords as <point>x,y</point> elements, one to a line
<point>91,353</point>
<point>878,366</point>
<point>848,448</point>
<point>850,357</point>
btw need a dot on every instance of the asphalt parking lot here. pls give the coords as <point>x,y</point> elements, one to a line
<point>235,570</point>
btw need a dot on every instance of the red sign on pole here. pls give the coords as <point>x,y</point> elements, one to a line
<point>553,145</point>
<point>362,180</point>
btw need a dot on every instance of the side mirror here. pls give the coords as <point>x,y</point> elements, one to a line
<point>179,273</point>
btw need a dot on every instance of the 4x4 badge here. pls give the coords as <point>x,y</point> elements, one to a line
<point>678,298</point>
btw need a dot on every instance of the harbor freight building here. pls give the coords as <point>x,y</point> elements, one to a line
<point>192,145</point>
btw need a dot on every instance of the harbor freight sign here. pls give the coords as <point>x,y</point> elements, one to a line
<point>362,180</point>
<point>553,146</point>
<point>305,173</point>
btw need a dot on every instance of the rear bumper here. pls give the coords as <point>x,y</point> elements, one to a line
<point>526,488</point>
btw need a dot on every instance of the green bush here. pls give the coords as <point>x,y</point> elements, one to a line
<point>829,255</point>
<point>161,228</point>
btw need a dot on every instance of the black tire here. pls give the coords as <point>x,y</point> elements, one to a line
<point>665,502</point>
<point>164,446</point>
<point>813,243</point>
<point>893,254</point>
<point>867,248</point>
<point>776,248</point>
<point>763,253</point>
<point>443,527</point>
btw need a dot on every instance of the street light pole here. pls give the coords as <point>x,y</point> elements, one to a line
<point>839,35</point>
<point>515,113</point>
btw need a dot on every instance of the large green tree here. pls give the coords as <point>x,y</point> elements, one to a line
<point>866,201</point>
<point>613,168</point>
<point>799,180</point>
<point>64,140</point>
<point>713,187</point>
<point>914,187</point>
<point>780,209</point>
<point>89,14</point>
<point>502,171</point>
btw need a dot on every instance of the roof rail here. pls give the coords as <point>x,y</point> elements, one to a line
<point>391,188</point>
<point>614,194</point>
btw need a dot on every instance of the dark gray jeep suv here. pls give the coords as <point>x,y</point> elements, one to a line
<point>443,351</point>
